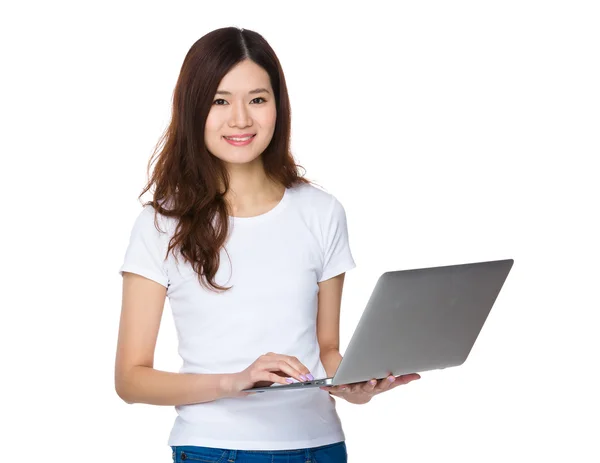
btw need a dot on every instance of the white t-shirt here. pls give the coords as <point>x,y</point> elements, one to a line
<point>277,259</point>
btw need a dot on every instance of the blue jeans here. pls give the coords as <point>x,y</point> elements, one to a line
<point>333,453</point>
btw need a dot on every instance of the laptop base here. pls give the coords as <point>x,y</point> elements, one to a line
<point>299,385</point>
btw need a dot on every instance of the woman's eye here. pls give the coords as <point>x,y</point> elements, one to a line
<point>217,101</point>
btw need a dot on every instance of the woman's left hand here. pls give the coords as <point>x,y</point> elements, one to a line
<point>361,393</point>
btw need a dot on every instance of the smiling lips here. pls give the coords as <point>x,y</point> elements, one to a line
<point>240,140</point>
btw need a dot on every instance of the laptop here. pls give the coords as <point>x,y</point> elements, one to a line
<point>416,320</point>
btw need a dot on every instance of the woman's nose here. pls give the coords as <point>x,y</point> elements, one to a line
<point>239,115</point>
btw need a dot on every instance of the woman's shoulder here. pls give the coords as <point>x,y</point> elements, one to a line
<point>149,217</point>
<point>314,195</point>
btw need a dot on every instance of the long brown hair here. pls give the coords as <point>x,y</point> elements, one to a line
<point>187,177</point>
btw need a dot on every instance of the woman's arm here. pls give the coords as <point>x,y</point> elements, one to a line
<point>328,322</point>
<point>142,384</point>
<point>331,360</point>
<point>136,381</point>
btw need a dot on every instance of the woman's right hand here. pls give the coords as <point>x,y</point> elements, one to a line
<point>268,369</point>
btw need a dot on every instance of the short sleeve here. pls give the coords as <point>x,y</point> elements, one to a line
<point>337,257</point>
<point>145,254</point>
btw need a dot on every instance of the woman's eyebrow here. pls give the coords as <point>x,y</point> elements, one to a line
<point>251,92</point>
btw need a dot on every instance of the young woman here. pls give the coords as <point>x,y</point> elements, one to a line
<point>229,208</point>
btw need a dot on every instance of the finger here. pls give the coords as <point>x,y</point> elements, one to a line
<point>280,365</point>
<point>302,369</point>
<point>385,383</point>
<point>404,379</point>
<point>354,387</point>
<point>369,386</point>
<point>359,388</point>
<point>342,389</point>
<point>302,372</point>
<point>298,365</point>
<point>273,377</point>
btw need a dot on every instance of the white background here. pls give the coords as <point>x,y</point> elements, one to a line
<point>451,132</point>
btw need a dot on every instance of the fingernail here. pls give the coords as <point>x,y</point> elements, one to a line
<point>310,377</point>
<point>373,382</point>
<point>289,380</point>
<point>391,379</point>
<point>303,378</point>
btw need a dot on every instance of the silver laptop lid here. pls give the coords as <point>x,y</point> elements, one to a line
<point>422,319</point>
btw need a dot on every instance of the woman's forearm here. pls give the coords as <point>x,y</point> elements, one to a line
<point>331,359</point>
<point>146,385</point>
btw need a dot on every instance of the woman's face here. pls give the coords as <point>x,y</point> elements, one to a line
<point>243,105</point>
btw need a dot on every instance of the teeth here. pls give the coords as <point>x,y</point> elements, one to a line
<point>239,139</point>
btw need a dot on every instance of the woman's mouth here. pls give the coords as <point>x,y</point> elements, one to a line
<point>239,141</point>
